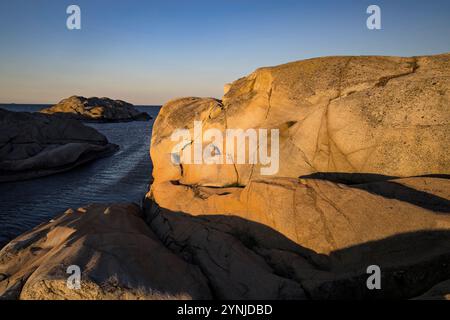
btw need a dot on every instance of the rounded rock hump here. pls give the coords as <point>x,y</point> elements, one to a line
<point>96,110</point>
<point>33,145</point>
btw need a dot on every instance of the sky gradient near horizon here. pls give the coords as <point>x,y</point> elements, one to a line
<point>147,52</point>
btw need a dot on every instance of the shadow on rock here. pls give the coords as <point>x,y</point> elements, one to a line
<point>248,260</point>
<point>387,187</point>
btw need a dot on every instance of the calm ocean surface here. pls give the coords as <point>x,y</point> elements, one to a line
<point>122,177</point>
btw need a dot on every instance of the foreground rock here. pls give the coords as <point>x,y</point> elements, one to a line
<point>35,145</point>
<point>322,215</point>
<point>224,256</point>
<point>363,181</point>
<point>118,255</point>
<point>96,110</point>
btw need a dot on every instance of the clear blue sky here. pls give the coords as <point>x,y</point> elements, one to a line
<point>147,52</point>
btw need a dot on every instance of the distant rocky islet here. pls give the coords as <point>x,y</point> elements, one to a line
<point>96,110</point>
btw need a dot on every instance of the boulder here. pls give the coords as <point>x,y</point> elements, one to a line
<point>362,180</point>
<point>96,110</point>
<point>36,145</point>
<point>118,255</point>
<point>376,116</point>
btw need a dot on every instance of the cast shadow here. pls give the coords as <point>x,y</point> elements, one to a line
<point>411,263</point>
<point>387,187</point>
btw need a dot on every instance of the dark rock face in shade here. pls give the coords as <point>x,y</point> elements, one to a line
<point>34,145</point>
<point>96,110</point>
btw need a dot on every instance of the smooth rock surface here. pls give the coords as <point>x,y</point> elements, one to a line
<point>118,255</point>
<point>386,116</point>
<point>316,233</point>
<point>441,291</point>
<point>96,110</point>
<point>363,181</point>
<point>34,145</point>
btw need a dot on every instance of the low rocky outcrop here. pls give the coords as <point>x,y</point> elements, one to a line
<point>118,255</point>
<point>96,110</point>
<point>35,145</point>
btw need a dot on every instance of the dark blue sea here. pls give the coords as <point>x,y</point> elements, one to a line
<point>122,177</point>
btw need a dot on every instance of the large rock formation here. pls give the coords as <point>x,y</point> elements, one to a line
<point>118,255</point>
<point>35,145</point>
<point>96,110</point>
<point>370,115</point>
<point>224,256</point>
<point>311,238</point>
<point>362,180</point>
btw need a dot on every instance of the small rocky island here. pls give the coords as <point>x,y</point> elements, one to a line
<point>363,181</point>
<point>34,145</point>
<point>96,110</point>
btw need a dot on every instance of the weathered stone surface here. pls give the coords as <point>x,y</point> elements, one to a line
<point>372,115</point>
<point>317,234</point>
<point>321,215</point>
<point>363,180</point>
<point>119,258</point>
<point>219,246</point>
<point>312,251</point>
<point>96,110</point>
<point>35,145</point>
<point>441,291</point>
